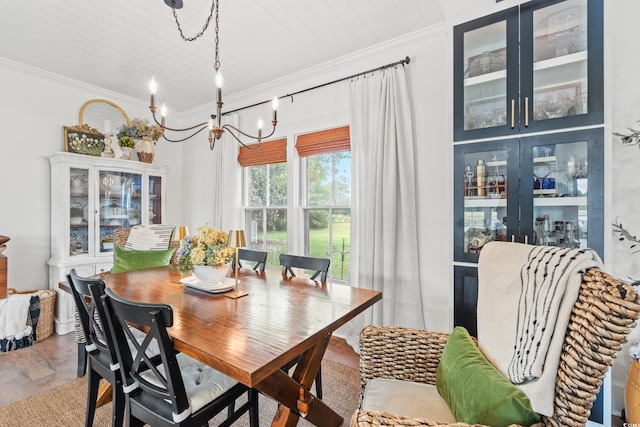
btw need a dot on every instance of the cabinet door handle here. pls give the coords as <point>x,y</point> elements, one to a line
<point>526,111</point>
<point>513,113</point>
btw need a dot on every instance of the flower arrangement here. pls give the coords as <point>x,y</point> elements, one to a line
<point>629,138</point>
<point>207,247</point>
<point>140,128</point>
<point>86,144</point>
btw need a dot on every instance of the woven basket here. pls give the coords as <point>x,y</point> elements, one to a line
<point>47,305</point>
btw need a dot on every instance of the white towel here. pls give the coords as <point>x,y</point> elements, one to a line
<point>525,297</point>
<point>14,312</point>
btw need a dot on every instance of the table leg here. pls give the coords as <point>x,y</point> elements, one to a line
<point>293,392</point>
<point>104,394</point>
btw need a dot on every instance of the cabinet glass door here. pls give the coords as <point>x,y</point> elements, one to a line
<point>120,204</point>
<point>486,75</point>
<point>561,60</point>
<point>485,196</point>
<point>563,190</point>
<point>155,200</point>
<point>79,218</point>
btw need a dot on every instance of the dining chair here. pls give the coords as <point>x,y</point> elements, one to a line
<point>99,348</point>
<point>320,265</point>
<point>176,390</point>
<point>259,257</point>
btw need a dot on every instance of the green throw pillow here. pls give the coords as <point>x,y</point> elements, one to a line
<point>129,260</point>
<point>476,392</point>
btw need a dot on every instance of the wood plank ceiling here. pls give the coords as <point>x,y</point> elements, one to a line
<point>119,44</point>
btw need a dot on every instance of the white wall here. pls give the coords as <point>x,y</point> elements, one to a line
<point>34,107</point>
<point>623,92</point>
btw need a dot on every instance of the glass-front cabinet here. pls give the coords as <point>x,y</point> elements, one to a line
<point>542,190</point>
<point>90,198</point>
<point>535,67</point>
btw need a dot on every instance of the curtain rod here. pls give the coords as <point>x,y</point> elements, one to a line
<point>402,62</point>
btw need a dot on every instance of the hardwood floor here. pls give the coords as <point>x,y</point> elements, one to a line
<point>52,362</point>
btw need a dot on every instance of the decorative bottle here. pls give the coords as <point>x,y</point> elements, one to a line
<point>481,178</point>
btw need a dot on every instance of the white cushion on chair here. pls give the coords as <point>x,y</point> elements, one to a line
<point>201,382</point>
<point>416,400</point>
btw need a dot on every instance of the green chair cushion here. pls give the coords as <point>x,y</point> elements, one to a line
<point>129,260</point>
<point>476,391</point>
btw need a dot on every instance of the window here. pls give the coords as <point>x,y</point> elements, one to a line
<point>266,199</point>
<point>326,185</point>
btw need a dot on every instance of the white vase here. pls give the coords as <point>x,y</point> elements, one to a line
<point>126,152</point>
<point>207,274</point>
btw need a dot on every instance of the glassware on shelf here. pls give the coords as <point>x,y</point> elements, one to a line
<point>547,230</point>
<point>541,235</point>
<point>570,240</point>
<point>558,233</point>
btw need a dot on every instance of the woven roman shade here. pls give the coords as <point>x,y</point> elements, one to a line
<point>274,151</point>
<point>324,141</point>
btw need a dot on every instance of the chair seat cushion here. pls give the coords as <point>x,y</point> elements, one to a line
<point>202,383</point>
<point>130,260</point>
<point>407,398</point>
<point>476,391</point>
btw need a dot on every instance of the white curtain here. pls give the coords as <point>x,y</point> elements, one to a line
<point>384,240</point>
<point>226,180</point>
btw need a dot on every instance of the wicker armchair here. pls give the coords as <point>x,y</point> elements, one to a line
<point>600,320</point>
<point>119,239</point>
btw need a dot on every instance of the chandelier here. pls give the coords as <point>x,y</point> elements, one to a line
<point>214,124</point>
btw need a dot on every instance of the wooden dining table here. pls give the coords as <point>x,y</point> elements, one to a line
<point>251,338</point>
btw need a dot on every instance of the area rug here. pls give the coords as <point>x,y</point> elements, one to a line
<point>65,405</point>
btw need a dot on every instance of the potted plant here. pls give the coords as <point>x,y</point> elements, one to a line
<point>148,133</point>
<point>126,143</point>
<point>77,215</point>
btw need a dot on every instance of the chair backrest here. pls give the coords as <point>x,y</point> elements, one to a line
<point>259,257</point>
<point>97,338</point>
<point>139,371</point>
<point>120,236</point>
<point>320,265</point>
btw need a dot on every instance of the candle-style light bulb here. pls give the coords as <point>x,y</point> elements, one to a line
<point>210,126</point>
<point>219,82</point>
<point>163,113</point>
<point>274,103</point>
<point>260,124</point>
<point>153,88</point>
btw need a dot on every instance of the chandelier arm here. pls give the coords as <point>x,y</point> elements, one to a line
<point>228,126</point>
<point>248,147</point>
<point>176,129</point>
<point>184,139</point>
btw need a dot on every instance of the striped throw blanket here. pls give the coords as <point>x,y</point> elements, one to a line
<point>525,297</point>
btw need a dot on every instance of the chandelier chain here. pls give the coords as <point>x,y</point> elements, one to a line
<point>214,7</point>
<point>216,64</point>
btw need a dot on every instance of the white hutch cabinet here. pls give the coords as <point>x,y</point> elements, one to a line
<point>91,197</point>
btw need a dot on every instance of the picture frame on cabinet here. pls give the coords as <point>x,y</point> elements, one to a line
<point>83,139</point>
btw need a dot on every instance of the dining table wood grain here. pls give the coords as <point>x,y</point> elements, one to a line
<point>251,338</point>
